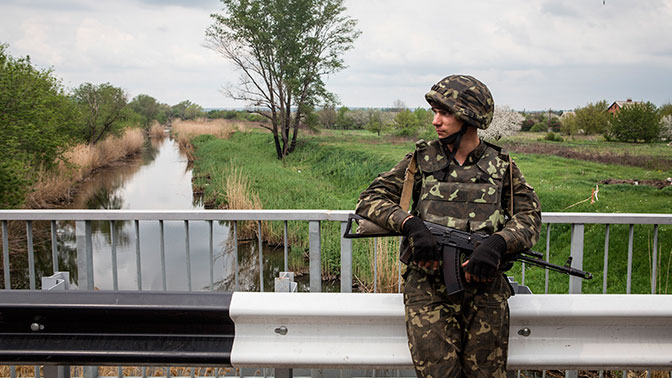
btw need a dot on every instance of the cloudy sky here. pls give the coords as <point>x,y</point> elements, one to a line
<point>533,55</point>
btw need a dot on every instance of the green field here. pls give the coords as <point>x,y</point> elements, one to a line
<point>330,169</point>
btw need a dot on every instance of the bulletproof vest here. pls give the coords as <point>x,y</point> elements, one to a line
<point>469,198</point>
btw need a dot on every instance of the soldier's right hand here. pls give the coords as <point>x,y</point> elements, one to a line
<point>423,247</point>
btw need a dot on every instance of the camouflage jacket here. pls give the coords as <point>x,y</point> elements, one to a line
<point>474,197</point>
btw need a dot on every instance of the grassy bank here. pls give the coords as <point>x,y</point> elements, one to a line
<point>328,171</point>
<point>77,164</point>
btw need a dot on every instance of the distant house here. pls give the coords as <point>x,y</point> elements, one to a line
<point>617,105</point>
<point>567,113</point>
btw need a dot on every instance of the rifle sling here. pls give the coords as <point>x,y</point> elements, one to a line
<point>409,180</point>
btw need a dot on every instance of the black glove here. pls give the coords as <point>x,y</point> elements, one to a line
<point>484,261</point>
<point>423,246</point>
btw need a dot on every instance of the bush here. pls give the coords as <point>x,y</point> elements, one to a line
<point>568,125</point>
<point>37,121</point>
<point>553,137</point>
<point>636,122</point>
<point>527,124</point>
<point>592,118</point>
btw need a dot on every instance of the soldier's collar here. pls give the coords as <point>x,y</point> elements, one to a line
<point>478,151</point>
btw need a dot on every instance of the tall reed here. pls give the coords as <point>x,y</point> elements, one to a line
<point>383,265</point>
<point>77,164</point>
<point>238,195</point>
<point>156,130</point>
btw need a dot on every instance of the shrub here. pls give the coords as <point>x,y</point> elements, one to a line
<point>635,122</point>
<point>553,137</point>
<point>592,118</point>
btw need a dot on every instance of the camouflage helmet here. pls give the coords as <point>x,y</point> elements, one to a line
<point>466,97</point>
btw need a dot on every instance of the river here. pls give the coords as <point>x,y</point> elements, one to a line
<point>160,178</point>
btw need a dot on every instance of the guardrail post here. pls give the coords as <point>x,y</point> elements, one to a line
<point>315,246</point>
<point>59,281</point>
<point>84,255</point>
<point>576,251</point>
<point>284,283</point>
<point>85,272</point>
<point>346,261</point>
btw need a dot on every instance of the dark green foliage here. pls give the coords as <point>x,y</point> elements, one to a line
<point>37,122</point>
<point>527,123</point>
<point>103,110</point>
<point>187,110</point>
<point>147,107</point>
<point>636,122</point>
<point>417,123</point>
<point>553,137</point>
<point>592,118</point>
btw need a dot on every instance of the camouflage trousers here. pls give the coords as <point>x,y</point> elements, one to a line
<point>461,335</point>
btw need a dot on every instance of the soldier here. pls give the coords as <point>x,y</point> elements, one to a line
<point>466,183</point>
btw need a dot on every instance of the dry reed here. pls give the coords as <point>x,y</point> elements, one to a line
<point>156,130</point>
<point>183,131</point>
<point>386,268</point>
<point>78,164</point>
<point>238,195</point>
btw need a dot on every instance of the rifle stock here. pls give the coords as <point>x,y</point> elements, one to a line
<point>457,245</point>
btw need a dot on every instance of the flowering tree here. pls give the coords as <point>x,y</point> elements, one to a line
<point>666,127</point>
<point>505,122</point>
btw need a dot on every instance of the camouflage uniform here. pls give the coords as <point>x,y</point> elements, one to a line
<point>464,334</point>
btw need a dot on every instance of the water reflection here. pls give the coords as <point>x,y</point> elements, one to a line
<point>160,178</point>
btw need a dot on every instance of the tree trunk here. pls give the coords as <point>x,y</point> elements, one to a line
<point>276,139</point>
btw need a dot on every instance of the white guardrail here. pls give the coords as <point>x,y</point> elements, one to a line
<point>586,332</point>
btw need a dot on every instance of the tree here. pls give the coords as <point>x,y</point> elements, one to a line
<point>343,119</point>
<point>147,107</point>
<point>398,105</point>
<point>666,128</point>
<point>327,116</point>
<point>635,122</point>
<point>505,122</point>
<point>665,110</point>
<point>179,110</point>
<point>37,123</point>
<point>375,123</point>
<point>405,123</point>
<point>102,107</point>
<point>193,111</point>
<point>568,124</point>
<point>592,118</point>
<point>283,48</point>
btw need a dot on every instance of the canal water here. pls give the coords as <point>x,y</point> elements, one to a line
<point>160,178</point>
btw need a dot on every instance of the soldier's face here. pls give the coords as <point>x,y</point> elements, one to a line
<point>445,123</point>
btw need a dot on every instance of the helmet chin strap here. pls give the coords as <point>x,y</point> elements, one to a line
<point>454,140</point>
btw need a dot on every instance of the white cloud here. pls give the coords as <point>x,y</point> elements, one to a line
<point>533,55</point>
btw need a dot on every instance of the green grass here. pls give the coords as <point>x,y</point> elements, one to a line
<point>329,170</point>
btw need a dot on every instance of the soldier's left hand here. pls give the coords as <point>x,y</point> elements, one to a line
<point>484,260</point>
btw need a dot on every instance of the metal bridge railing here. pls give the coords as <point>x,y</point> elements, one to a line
<point>85,221</point>
<point>85,245</point>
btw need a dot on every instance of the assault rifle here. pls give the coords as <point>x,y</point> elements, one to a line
<point>457,245</point>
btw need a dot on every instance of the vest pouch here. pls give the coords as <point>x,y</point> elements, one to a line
<point>467,206</point>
